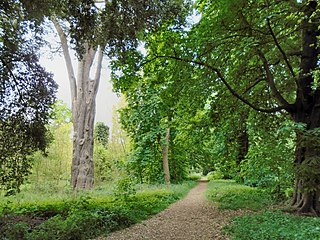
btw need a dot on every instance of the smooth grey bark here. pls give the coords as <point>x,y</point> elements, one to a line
<point>83,95</point>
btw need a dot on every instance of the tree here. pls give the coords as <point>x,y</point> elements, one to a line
<point>265,54</point>
<point>49,169</point>
<point>27,93</point>
<point>267,40</point>
<point>112,27</point>
<point>160,101</point>
<point>101,138</point>
<point>101,133</point>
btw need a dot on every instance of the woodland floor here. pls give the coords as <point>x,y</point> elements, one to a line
<point>193,217</point>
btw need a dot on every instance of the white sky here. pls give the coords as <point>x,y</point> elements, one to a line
<point>106,99</point>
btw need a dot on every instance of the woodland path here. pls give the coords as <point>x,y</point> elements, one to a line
<point>192,218</point>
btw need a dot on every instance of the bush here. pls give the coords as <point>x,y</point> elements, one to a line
<point>273,225</point>
<point>194,176</point>
<point>215,175</point>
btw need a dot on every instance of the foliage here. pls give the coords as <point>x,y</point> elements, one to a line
<point>308,170</point>
<point>101,133</point>
<point>125,188</point>
<point>231,195</point>
<point>240,53</point>
<point>116,26</point>
<point>53,168</point>
<point>215,175</point>
<point>27,93</point>
<point>265,168</point>
<point>110,162</point>
<point>157,100</point>
<point>87,216</point>
<point>273,225</point>
<point>194,176</point>
<point>146,118</point>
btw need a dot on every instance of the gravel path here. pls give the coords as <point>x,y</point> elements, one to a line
<point>192,218</point>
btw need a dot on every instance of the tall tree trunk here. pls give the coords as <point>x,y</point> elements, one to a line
<point>83,94</point>
<point>165,158</point>
<point>307,179</point>
<point>307,162</point>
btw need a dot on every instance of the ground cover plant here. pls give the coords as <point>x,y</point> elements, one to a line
<point>231,195</point>
<point>273,225</point>
<point>259,225</point>
<point>87,215</point>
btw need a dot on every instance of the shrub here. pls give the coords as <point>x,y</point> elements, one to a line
<point>215,175</point>
<point>194,176</point>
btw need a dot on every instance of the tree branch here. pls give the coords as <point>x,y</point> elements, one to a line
<point>98,69</point>
<point>270,79</point>
<point>280,48</point>
<point>66,53</point>
<point>253,85</point>
<point>13,77</point>
<point>231,90</point>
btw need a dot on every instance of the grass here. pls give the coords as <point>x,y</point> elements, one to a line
<point>270,225</point>
<point>231,195</point>
<point>85,215</point>
<point>263,224</point>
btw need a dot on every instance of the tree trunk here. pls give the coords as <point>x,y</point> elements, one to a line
<point>307,111</point>
<point>307,178</point>
<point>165,158</point>
<point>307,162</point>
<point>82,160</point>
<point>83,94</point>
<point>243,145</point>
<point>243,138</point>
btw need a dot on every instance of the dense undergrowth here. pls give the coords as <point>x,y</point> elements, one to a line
<point>87,215</point>
<point>262,223</point>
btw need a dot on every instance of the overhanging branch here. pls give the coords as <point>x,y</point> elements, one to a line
<point>231,90</point>
<point>270,79</point>
<point>280,48</point>
<point>253,85</point>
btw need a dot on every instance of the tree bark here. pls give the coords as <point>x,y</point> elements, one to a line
<point>307,179</point>
<point>83,94</point>
<point>165,158</point>
<point>243,138</point>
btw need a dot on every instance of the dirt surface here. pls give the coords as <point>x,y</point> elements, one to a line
<point>192,218</point>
